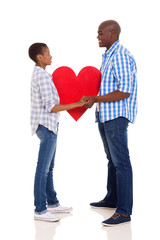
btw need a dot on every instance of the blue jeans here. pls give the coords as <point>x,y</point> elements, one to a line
<point>119,182</point>
<point>44,192</point>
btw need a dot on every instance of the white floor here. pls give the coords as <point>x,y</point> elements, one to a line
<point>80,178</point>
<point>70,30</point>
<point>82,226</point>
<point>83,223</point>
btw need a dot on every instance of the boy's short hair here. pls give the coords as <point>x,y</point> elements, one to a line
<point>35,49</point>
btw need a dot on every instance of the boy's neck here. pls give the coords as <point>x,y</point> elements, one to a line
<point>41,65</point>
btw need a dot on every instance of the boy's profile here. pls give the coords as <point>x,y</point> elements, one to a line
<point>45,108</point>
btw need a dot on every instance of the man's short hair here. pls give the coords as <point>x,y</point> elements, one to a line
<point>35,49</point>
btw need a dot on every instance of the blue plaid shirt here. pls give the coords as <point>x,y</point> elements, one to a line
<point>44,97</point>
<point>118,73</point>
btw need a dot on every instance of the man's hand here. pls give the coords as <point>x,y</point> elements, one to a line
<point>89,101</point>
<point>110,97</point>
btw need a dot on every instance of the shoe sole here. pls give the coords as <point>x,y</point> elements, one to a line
<point>46,219</point>
<point>60,211</point>
<point>115,225</point>
<point>109,208</point>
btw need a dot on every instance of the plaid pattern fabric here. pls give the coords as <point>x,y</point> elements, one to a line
<point>118,73</point>
<point>44,97</point>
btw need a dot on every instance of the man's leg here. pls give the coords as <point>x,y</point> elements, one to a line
<point>111,195</point>
<point>116,132</point>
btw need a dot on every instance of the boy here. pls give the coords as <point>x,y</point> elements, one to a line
<point>45,108</point>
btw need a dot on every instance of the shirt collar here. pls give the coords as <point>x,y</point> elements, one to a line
<point>112,48</point>
<point>38,67</point>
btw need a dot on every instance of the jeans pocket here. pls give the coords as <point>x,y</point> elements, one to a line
<point>39,131</point>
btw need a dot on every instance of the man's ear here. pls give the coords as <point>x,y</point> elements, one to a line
<point>112,33</point>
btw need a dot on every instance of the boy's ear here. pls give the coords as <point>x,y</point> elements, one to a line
<point>39,57</point>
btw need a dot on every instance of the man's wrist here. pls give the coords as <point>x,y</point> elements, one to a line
<point>96,99</point>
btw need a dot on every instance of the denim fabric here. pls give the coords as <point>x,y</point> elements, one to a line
<point>44,192</point>
<point>119,183</point>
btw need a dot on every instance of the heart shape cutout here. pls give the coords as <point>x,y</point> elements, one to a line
<point>71,87</point>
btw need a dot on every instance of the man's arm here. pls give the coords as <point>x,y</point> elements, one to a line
<point>110,97</point>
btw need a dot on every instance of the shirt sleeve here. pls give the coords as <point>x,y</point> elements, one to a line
<point>122,72</point>
<point>45,87</point>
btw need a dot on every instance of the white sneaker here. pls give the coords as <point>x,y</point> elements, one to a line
<point>49,217</point>
<point>60,209</point>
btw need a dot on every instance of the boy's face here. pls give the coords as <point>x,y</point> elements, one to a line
<point>45,58</point>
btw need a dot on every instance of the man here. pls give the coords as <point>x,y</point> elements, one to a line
<point>116,107</point>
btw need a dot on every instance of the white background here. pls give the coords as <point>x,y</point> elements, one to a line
<point>69,28</point>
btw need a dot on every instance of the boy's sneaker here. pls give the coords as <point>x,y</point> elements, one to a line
<point>48,217</point>
<point>117,219</point>
<point>102,204</point>
<point>60,209</point>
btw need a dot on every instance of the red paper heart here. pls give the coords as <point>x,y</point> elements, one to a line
<point>71,87</point>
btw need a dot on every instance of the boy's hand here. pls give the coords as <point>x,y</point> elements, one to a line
<point>82,101</point>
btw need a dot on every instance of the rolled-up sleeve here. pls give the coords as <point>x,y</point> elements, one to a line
<point>122,72</point>
<point>45,87</point>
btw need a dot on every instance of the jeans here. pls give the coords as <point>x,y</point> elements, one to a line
<point>119,182</point>
<point>44,192</point>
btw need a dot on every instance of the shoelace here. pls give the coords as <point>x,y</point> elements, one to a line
<point>115,216</point>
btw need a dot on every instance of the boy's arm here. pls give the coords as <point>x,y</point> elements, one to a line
<point>51,105</point>
<point>45,90</point>
<point>60,107</point>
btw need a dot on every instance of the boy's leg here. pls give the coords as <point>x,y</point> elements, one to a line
<point>51,193</point>
<point>46,153</point>
<point>52,201</point>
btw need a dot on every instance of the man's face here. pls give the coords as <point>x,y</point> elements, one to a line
<point>105,36</point>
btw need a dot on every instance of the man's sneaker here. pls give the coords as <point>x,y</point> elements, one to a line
<point>59,209</point>
<point>102,204</point>
<point>48,217</point>
<point>117,219</point>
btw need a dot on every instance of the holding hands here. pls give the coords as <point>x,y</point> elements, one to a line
<point>84,101</point>
<point>87,101</point>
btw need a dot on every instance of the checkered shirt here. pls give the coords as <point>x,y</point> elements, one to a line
<point>118,73</point>
<point>44,97</point>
